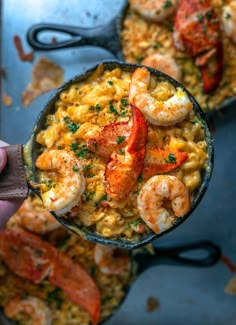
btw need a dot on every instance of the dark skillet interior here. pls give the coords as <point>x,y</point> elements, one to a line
<point>33,151</point>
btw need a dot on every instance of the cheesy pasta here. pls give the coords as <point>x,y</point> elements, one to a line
<point>92,121</point>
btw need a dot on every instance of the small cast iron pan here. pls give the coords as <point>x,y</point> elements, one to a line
<point>196,254</point>
<point>31,151</point>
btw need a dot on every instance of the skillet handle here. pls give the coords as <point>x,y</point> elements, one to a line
<point>13,183</point>
<point>75,39</point>
<point>177,255</point>
<point>105,36</point>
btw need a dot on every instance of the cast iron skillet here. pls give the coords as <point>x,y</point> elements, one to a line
<point>196,254</point>
<point>31,151</point>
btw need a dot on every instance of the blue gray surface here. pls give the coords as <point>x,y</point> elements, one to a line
<point>186,295</point>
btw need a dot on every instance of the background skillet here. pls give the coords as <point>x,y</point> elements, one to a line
<point>168,256</point>
<point>111,37</point>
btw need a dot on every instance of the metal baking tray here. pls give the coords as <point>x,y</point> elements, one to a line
<point>194,296</point>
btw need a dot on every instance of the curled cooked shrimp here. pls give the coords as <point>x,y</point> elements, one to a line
<point>152,197</point>
<point>157,112</point>
<point>164,63</point>
<point>154,10</point>
<point>35,308</point>
<point>111,260</point>
<point>68,182</point>
<point>34,217</point>
<point>229,20</point>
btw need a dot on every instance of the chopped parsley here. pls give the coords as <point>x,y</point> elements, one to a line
<point>167,4</point>
<point>71,126</point>
<point>110,82</point>
<point>48,182</point>
<point>120,139</point>
<point>227,15</point>
<point>123,113</point>
<point>74,146</point>
<point>88,196</point>
<point>157,45</point>
<point>200,18</point>
<point>95,145</point>
<point>122,150</point>
<point>140,178</point>
<point>208,15</point>
<point>96,108</point>
<point>124,102</point>
<point>140,59</point>
<point>171,159</point>
<point>90,175</point>
<point>112,108</point>
<point>86,167</point>
<point>81,151</point>
<point>55,296</point>
<point>75,168</point>
<point>38,252</point>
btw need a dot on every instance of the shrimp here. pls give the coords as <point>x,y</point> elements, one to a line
<point>152,196</point>
<point>157,112</point>
<point>164,63</point>
<point>35,218</point>
<point>154,10</point>
<point>69,182</point>
<point>229,20</point>
<point>35,308</point>
<point>111,260</point>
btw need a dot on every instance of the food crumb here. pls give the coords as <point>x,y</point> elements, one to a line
<point>230,288</point>
<point>152,304</point>
<point>7,100</point>
<point>21,53</point>
<point>46,76</point>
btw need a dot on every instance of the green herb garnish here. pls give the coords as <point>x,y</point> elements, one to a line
<point>86,167</point>
<point>71,126</point>
<point>112,108</point>
<point>120,139</point>
<point>171,159</point>
<point>167,4</point>
<point>140,178</point>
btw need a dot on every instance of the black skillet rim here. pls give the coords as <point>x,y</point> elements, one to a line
<point>83,231</point>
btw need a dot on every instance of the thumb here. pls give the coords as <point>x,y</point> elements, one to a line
<point>3,159</point>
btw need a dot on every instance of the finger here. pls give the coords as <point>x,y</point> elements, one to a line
<point>3,144</point>
<point>7,209</point>
<point>3,158</point>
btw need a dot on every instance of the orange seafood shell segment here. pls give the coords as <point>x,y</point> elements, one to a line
<point>122,171</point>
<point>77,283</point>
<point>26,255</point>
